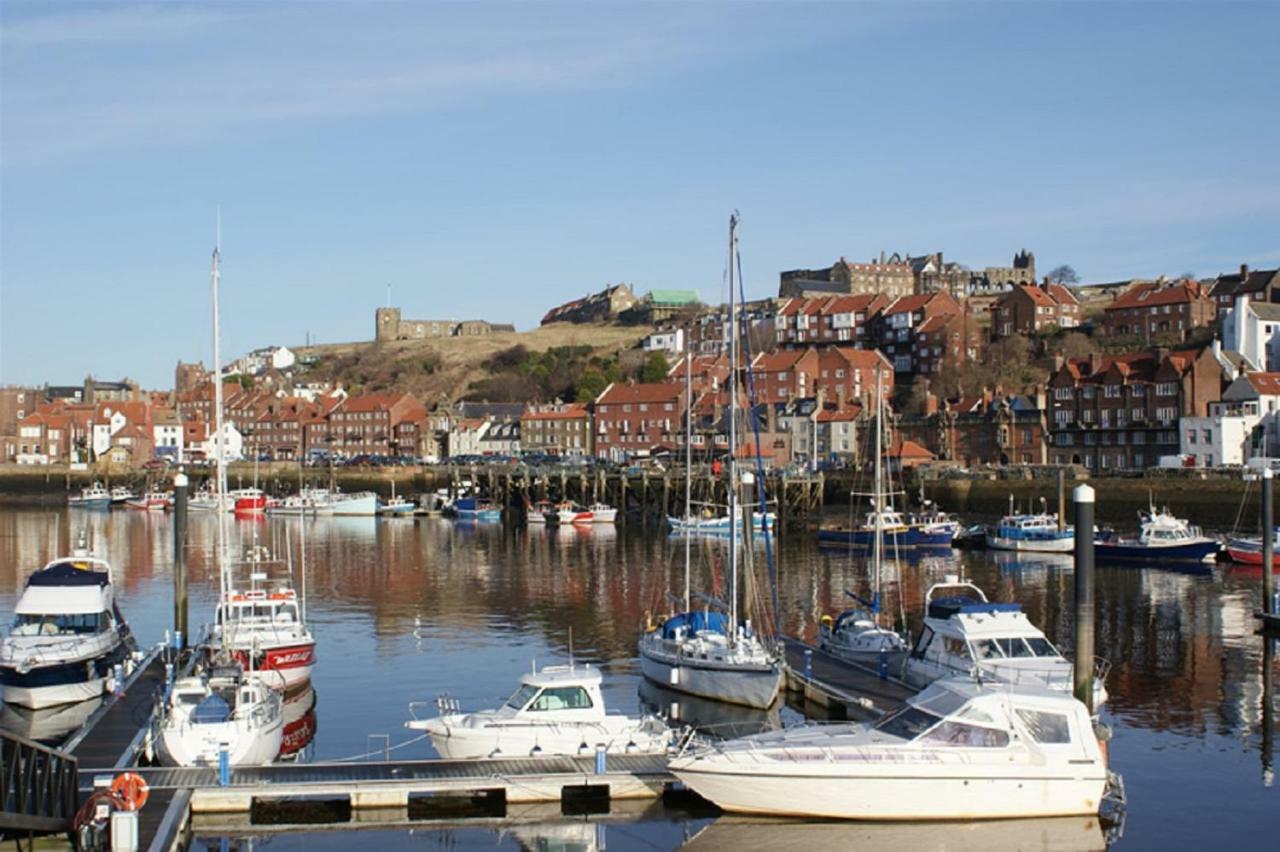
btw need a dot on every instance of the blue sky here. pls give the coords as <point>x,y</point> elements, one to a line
<point>491,160</point>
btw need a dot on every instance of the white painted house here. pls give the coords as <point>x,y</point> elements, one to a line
<point>1244,425</point>
<point>671,342</point>
<point>1252,329</point>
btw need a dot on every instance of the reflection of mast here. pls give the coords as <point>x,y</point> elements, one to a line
<point>1268,709</point>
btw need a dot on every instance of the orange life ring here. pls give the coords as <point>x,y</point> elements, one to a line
<point>132,789</point>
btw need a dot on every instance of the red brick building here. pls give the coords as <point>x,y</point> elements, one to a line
<point>785,374</point>
<point>637,418</point>
<point>847,375</point>
<point>1151,308</point>
<point>1122,411</point>
<point>562,429</point>
<point>378,424</point>
<point>895,330</point>
<point>1033,308</point>
<point>831,319</point>
<point>985,430</point>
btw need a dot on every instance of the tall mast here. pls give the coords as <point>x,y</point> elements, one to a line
<point>878,533</point>
<point>688,467</point>
<point>733,433</point>
<point>219,452</point>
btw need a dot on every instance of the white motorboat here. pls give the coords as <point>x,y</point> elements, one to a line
<point>559,710</point>
<point>120,495</point>
<point>223,709</point>
<point>856,635</point>
<point>965,634</point>
<point>959,750</point>
<point>67,634</point>
<point>603,513</point>
<point>397,507</point>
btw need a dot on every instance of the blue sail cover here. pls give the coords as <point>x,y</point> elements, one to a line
<point>65,573</point>
<point>698,621</point>
<point>213,710</point>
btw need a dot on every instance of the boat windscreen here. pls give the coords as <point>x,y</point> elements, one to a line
<point>522,697</point>
<point>1042,647</point>
<point>907,722</point>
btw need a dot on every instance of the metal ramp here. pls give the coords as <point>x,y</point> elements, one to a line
<point>39,793</point>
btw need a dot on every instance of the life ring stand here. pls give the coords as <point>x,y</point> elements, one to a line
<point>132,789</point>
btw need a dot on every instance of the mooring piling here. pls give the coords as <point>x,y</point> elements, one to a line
<point>180,496</point>
<point>1268,543</point>
<point>1082,498</point>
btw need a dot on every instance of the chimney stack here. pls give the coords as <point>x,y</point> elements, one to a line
<point>1244,272</point>
<point>930,404</point>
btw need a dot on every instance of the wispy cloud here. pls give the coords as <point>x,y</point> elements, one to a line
<point>89,81</point>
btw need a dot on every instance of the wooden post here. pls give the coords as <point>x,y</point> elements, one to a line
<point>1083,498</point>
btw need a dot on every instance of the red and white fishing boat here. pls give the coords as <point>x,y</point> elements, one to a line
<point>267,621</point>
<point>1248,551</point>
<point>249,501</point>
<point>152,501</point>
<point>568,512</point>
<point>603,513</point>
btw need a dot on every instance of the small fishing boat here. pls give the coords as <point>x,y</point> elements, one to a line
<point>151,501</point>
<point>960,749</point>
<point>120,495</point>
<point>94,496</point>
<point>1248,551</point>
<point>1038,533</point>
<point>67,634</point>
<point>250,501</point>
<point>966,634</point>
<point>1161,538</point>
<point>395,506</point>
<point>567,512</point>
<point>536,513</point>
<point>474,509</point>
<point>359,504</point>
<point>719,525</point>
<point>603,513</point>
<point>559,710</point>
<point>897,532</point>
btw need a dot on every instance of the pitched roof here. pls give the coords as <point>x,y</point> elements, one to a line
<point>778,360</point>
<point>1265,383</point>
<point>858,358</point>
<point>908,450</point>
<point>1265,311</point>
<point>621,394</point>
<point>1150,293</point>
<point>569,411</point>
<point>840,415</point>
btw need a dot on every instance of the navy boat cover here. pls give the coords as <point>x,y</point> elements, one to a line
<point>698,621</point>
<point>65,573</point>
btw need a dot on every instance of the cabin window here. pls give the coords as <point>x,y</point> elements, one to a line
<point>563,698</point>
<point>1048,728</point>
<point>907,722</point>
<point>987,649</point>
<point>953,733</point>
<point>1041,647</point>
<point>521,697</point>
<point>44,624</point>
<point>1014,647</point>
<point>956,647</point>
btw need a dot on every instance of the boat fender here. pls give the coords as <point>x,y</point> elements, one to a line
<point>826,621</point>
<point>536,751</point>
<point>583,749</point>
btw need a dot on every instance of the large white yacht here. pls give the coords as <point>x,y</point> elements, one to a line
<point>965,634</point>
<point>556,711</point>
<point>960,749</point>
<point>67,634</point>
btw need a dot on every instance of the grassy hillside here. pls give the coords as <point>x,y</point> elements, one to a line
<point>453,367</point>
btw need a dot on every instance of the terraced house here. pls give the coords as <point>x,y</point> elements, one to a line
<point>562,429</point>
<point>1122,411</point>
<point>638,418</point>
<point>1159,308</point>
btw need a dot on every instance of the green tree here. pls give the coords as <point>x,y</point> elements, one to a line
<point>590,385</point>
<point>655,368</point>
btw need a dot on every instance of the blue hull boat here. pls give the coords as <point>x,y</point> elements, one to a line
<point>864,539</point>
<point>1132,551</point>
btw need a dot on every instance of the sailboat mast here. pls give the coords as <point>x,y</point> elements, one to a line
<point>877,555</point>
<point>733,433</point>
<point>219,449</point>
<point>688,468</point>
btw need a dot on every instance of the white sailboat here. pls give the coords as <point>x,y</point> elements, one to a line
<point>709,652</point>
<point>856,634</point>
<point>226,709</point>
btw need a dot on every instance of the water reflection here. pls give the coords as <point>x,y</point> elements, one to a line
<point>710,717</point>
<point>50,725</point>
<point>1189,697</point>
<point>756,835</point>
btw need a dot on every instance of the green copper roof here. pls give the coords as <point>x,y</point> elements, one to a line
<point>673,297</point>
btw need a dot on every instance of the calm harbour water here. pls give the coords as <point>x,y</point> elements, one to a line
<point>404,610</point>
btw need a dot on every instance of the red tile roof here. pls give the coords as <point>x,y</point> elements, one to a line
<point>778,360</point>
<point>1147,293</point>
<point>1265,383</point>
<point>570,411</point>
<point>619,394</point>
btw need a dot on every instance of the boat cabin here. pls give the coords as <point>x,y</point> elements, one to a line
<point>260,608</point>
<point>67,597</point>
<point>963,713</point>
<point>967,634</point>
<point>567,693</point>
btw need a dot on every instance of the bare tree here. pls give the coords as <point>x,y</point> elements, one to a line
<point>1063,274</point>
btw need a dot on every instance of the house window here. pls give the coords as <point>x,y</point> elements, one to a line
<point>1112,391</point>
<point>1167,389</point>
<point>1063,393</point>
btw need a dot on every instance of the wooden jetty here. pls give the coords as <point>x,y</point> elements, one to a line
<point>845,690</point>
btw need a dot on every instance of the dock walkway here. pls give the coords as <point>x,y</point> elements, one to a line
<point>844,689</point>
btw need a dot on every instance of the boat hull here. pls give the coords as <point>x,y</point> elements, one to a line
<point>1247,552</point>
<point>899,793</point>
<point>1025,545</point>
<point>865,539</point>
<point>452,740</point>
<point>282,668</point>
<point>89,503</point>
<point>365,506</point>
<point>198,745</point>
<point>751,686</point>
<point>1200,551</point>
<point>60,683</point>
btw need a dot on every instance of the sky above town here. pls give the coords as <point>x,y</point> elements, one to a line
<point>491,160</point>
